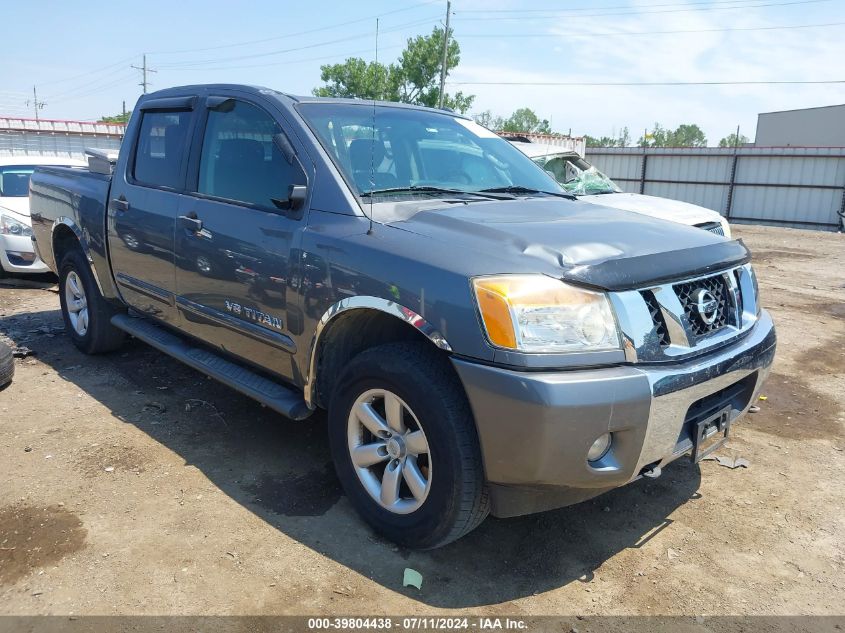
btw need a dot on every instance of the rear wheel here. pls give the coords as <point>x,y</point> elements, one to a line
<point>86,313</point>
<point>405,446</point>
<point>7,365</point>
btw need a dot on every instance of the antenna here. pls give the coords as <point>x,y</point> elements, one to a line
<point>373,142</point>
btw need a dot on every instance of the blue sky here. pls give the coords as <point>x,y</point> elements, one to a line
<point>79,56</point>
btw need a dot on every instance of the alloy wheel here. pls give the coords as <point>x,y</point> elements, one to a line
<point>77,304</point>
<point>389,451</point>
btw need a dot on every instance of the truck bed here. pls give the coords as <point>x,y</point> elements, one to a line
<point>72,196</point>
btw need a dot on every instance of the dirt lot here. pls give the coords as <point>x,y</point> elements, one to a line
<point>133,485</point>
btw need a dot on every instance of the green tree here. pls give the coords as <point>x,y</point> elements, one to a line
<point>602,141</point>
<point>525,120</point>
<point>117,118</point>
<point>414,78</point>
<point>623,140</point>
<point>688,135</point>
<point>356,78</point>
<point>731,140</point>
<point>685,135</point>
<point>489,120</point>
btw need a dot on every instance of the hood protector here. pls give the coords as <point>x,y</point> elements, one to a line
<point>583,243</point>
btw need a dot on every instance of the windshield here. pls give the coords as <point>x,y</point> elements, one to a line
<point>392,151</point>
<point>576,175</point>
<point>14,181</point>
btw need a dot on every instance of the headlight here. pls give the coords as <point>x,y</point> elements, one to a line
<point>536,313</point>
<point>10,226</point>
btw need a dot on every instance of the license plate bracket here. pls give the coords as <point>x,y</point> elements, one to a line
<point>716,426</point>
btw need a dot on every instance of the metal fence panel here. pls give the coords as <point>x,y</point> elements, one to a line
<point>711,196</point>
<point>794,186</point>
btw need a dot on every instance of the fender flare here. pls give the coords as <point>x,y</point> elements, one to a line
<point>365,303</point>
<point>83,243</point>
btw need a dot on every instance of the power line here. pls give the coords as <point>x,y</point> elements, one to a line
<point>550,16</point>
<point>624,33</point>
<point>286,62</point>
<point>86,74</point>
<point>91,84</point>
<point>193,63</point>
<point>642,83</point>
<point>297,34</point>
<point>618,6</point>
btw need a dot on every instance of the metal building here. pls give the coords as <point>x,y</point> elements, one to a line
<point>45,137</point>
<point>810,127</point>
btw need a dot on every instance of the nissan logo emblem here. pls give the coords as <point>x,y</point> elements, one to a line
<point>706,304</point>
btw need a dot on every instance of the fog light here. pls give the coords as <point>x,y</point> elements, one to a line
<point>599,448</point>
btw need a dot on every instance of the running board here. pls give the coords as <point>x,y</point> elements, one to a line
<point>271,394</point>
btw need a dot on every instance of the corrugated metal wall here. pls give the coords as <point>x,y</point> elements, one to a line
<point>797,186</point>
<point>28,137</point>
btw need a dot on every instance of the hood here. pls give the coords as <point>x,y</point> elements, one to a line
<point>663,208</point>
<point>20,206</point>
<point>593,244</point>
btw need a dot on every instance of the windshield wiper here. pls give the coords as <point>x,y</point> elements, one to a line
<point>517,189</point>
<point>429,189</point>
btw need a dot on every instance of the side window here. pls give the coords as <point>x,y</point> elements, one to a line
<point>240,161</point>
<point>161,148</point>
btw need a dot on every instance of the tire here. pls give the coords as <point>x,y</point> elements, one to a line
<point>454,500</point>
<point>7,365</point>
<point>97,335</point>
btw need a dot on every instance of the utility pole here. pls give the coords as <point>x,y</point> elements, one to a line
<point>36,104</point>
<point>124,111</point>
<point>144,70</point>
<point>445,55</point>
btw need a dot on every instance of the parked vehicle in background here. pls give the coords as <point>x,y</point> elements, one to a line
<point>17,254</point>
<point>577,176</point>
<point>483,341</point>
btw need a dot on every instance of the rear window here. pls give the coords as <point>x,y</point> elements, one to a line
<point>14,181</point>
<point>161,148</point>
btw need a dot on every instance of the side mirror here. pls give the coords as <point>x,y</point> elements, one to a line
<point>294,201</point>
<point>296,197</point>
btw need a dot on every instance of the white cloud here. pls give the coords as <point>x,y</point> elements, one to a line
<point>799,54</point>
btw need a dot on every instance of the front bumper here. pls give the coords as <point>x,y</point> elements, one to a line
<point>535,428</point>
<point>17,255</point>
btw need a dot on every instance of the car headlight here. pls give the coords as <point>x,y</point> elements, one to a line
<point>10,226</point>
<point>537,313</point>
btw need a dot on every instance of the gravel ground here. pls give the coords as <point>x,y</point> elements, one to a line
<point>134,485</point>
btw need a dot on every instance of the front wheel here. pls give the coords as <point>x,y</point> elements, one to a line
<point>86,313</point>
<point>405,446</point>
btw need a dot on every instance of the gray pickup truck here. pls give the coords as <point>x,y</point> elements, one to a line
<point>483,343</point>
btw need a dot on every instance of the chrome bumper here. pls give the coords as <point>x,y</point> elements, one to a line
<point>535,428</point>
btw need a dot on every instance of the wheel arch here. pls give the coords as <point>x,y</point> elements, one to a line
<point>67,235</point>
<point>352,325</point>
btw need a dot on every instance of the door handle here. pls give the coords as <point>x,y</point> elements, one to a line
<point>191,222</point>
<point>120,204</point>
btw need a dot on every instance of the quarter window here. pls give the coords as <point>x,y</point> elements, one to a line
<point>240,160</point>
<point>161,148</point>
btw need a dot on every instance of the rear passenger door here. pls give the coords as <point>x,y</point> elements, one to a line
<point>143,206</point>
<point>235,241</point>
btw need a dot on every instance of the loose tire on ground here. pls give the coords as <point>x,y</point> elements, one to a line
<point>7,365</point>
<point>86,313</point>
<point>454,500</point>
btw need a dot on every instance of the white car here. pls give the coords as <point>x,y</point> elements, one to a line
<point>582,179</point>
<point>17,254</point>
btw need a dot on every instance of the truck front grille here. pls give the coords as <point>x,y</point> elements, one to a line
<point>656,317</point>
<point>716,286</point>
<point>663,322</point>
<point>713,227</point>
